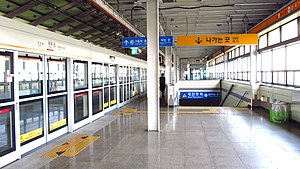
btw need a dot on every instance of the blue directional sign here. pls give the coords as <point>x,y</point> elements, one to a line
<point>193,95</point>
<point>130,42</point>
<point>165,41</point>
<point>134,42</point>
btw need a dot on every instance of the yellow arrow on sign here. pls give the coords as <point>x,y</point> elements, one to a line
<point>217,40</point>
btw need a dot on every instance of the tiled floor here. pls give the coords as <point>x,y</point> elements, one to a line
<point>227,140</point>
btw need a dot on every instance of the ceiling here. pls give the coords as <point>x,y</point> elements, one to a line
<point>194,17</point>
<point>79,19</point>
<point>82,20</point>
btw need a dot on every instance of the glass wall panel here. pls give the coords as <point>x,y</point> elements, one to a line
<point>7,130</point>
<point>113,74</point>
<point>113,95</point>
<point>136,89</point>
<point>6,89</point>
<point>131,90</point>
<point>128,73</point>
<point>121,93</point>
<point>97,101</point>
<point>289,30</point>
<point>106,74</point>
<point>31,76</point>
<point>121,74</point>
<point>31,121</point>
<point>125,92</point>
<point>106,97</point>
<point>136,74</point>
<point>97,74</point>
<point>57,112</point>
<point>81,110</point>
<point>57,76</point>
<point>80,75</point>
<point>132,74</point>
<point>128,92</point>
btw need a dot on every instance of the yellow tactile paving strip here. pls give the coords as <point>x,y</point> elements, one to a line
<point>72,147</point>
<point>199,110</point>
<point>125,112</point>
<point>182,110</point>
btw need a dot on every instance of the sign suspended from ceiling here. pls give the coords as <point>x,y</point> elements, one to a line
<point>130,42</point>
<point>218,40</point>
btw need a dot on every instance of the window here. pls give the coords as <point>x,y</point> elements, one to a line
<point>121,93</point>
<point>31,75</point>
<point>57,76</point>
<point>293,58</point>
<point>81,110</point>
<point>7,130</point>
<point>247,49</point>
<point>57,112</point>
<point>97,75</point>
<point>31,121</point>
<point>242,51</point>
<point>80,73</point>
<point>274,37</point>
<point>279,59</point>
<point>237,52</point>
<point>6,89</point>
<point>263,41</point>
<point>97,101</point>
<point>266,60</point>
<point>290,30</point>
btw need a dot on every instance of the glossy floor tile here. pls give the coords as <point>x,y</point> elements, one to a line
<point>228,139</point>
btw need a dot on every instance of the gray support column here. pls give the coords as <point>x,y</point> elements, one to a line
<point>153,65</point>
<point>214,69</point>
<point>226,66</point>
<point>175,64</point>
<point>178,66</point>
<point>70,94</point>
<point>168,65</point>
<point>253,74</point>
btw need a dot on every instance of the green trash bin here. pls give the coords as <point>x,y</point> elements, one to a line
<point>279,112</point>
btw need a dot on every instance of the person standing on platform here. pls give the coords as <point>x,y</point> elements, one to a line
<point>162,84</point>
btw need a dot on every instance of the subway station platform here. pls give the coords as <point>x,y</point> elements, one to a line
<point>190,137</point>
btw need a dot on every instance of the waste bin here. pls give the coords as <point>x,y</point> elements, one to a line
<point>279,112</point>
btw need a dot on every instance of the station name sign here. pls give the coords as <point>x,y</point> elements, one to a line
<point>217,40</point>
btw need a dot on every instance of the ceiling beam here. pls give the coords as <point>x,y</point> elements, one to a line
<point>21,9</point>
<point>86,33</point>
<point>222,2</point>
<point>54,13</point>
<point>70,20</point>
